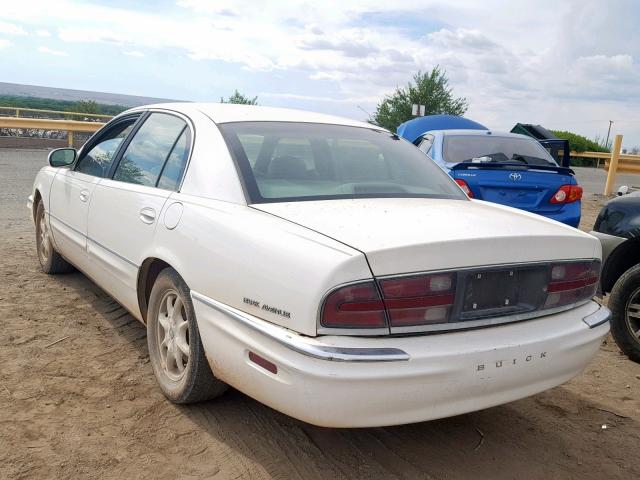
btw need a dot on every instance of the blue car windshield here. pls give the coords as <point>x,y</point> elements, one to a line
<point>289,161</point>
<point>495,149</point>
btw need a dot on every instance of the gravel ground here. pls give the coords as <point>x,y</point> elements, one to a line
<point>88,406</point>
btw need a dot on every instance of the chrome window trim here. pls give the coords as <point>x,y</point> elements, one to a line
<point>451,326</point>
<point>308,346</point>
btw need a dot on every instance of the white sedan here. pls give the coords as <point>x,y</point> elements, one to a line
<point>322,266</point>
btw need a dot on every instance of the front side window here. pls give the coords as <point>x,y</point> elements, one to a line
<point>98,159</point>
<point>150,148</point>
<point>495,149</point>
<point>286,161</point>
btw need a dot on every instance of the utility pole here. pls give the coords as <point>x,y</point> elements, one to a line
<point>368,114</point>
<point>606,143</point>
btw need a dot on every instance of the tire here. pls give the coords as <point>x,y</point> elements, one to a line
<point>625,307</point>
<point>174,338</point>
<point>50,260</point>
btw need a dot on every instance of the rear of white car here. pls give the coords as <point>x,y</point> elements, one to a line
<point>466,305</point>
<point>334,273</point>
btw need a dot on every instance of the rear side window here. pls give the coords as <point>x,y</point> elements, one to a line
<point>149,150</point>
<point>98,159</point>
<point>177,161</point>
<point>426,143</point>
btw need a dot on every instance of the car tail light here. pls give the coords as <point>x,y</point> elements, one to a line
<point>354,306</point>
<point>572,282</point>
<point>464,187</point>
<point>419,300</point>
<point>457,296</point>
<point>567,194</point>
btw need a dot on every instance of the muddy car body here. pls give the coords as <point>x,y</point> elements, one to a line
<point>618,228</point>
<point>318,265</point>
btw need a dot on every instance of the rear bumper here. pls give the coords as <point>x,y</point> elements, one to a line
<point>339,381</point>
<point>570,214</point>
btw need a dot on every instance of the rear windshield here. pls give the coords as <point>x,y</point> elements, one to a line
<point>494,149</point>
<point>286,161</point>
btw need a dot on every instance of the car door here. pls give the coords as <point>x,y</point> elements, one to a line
<point>72,189</point>
<point>125,208</point>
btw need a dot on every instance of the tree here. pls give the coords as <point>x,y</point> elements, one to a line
<point>238,97</point>
<point>579,143</point>
<point>429,89</point>
<point>86,106</point>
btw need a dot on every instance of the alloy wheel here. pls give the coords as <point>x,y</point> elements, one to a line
<point>173,335</point>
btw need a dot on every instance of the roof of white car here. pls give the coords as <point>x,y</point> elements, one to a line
<point>226,112</point>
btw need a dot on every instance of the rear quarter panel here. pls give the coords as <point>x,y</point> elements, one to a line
<point>252,260</point>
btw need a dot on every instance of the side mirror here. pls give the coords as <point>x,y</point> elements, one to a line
<point>62,157</point>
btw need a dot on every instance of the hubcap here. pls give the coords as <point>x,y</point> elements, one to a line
<point>633,314</point>
<point>44,244</point>
<point>173,335</point>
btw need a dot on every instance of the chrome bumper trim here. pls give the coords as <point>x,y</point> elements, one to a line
<point>597,318</point>
<point>305,345</point>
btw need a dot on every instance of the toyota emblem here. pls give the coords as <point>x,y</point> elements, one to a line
<point>515,176</point>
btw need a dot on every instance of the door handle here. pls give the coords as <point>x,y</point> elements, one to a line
<point>148,215</point>
<point>84,195</point>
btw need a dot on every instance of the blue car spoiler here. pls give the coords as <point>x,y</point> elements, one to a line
<point>495,166</point>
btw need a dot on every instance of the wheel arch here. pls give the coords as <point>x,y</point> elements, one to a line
<point>625,256</point>
<point>37,198</point>
<point>147,274</point>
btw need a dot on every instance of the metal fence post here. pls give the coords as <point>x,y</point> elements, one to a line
<point>70,137</point>
<point>613,165</point>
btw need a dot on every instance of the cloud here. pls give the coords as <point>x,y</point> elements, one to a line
<point>510,62</point>
<point>11,29</point>
<point>50,51</point>
<point>5,43</point>
<point>133,53</point>
<point>348,47</point>
<point>43,33</point>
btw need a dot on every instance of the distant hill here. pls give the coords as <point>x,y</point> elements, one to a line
<point>69,95</point>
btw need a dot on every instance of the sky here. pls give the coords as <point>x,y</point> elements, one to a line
<point>564,64</point>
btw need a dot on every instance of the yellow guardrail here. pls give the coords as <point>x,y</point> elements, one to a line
<point>614,162</point>
<point>19,110</point>
<point>70,126</point>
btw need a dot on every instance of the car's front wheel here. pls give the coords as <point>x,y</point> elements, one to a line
<point>50,260</point>
<point>175,347</point>
<point>625,307</point>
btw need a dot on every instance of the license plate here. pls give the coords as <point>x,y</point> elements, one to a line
<point>491,290</point>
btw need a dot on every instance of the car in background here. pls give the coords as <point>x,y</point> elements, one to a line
<point>618,228</point>
<point>318,264</point>
<point>500,167</point>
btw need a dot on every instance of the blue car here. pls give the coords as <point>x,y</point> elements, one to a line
<point>506,168</point>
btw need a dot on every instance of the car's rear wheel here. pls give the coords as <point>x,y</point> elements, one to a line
<point>175,348</point>
<point>625,307</point>
<point>50,260</point>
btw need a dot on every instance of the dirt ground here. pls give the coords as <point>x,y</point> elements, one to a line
<point>88,406</point>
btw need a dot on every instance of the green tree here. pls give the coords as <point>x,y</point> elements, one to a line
<point>578,143</point>
<point>238,97</point>
<point>429,89</point>
<point>86,106</point>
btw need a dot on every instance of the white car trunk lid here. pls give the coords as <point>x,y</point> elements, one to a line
<point>402,235</point>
